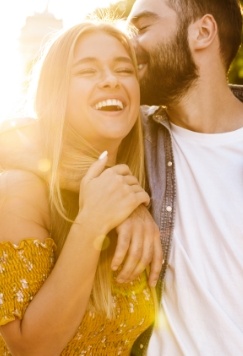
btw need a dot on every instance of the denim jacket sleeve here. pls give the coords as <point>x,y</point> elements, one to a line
<point>161,186</point>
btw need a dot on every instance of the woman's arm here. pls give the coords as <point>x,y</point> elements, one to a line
<point>20,146</point>
<point>138,237</point>
<point>56,311</point>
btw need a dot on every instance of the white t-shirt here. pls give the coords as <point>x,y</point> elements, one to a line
<point>203,298</point>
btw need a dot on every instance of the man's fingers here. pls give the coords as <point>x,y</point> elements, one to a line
<point>146,258</point>
<point>157,262</point>
<point>155,267</point>
<point>142,248</point>
<point>133,259</point>
<point>131,269</point>
<point>123,243</point>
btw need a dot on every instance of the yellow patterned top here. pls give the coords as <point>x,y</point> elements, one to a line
<point>24,268</point>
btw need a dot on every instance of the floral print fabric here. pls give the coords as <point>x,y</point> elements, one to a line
<point>25,267</point>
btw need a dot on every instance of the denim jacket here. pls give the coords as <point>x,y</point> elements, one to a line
<point>161,187</point>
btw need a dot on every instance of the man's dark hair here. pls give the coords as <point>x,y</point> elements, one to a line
<point>227,14</point>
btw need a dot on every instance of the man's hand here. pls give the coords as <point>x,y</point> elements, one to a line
<point>139,247</point>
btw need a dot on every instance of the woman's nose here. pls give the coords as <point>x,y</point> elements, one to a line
<point>109,80</point>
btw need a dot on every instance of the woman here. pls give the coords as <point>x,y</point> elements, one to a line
<point>58,295</point>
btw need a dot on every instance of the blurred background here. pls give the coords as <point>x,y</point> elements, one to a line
<point>25,25</point>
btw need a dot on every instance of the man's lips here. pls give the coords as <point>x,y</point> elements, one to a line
<point>142,60</point>
<point>141,66</point>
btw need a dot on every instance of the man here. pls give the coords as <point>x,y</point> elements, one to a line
<point>194,148</point>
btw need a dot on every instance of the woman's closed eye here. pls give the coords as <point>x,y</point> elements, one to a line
<point>125,70</point>
<point>86,71</point>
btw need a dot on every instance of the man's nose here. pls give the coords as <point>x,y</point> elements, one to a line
<point>134,40</point>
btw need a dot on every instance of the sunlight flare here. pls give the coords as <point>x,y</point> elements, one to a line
<point>13,15</point>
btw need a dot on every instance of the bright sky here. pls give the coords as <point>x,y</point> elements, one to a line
<point>12,18</point>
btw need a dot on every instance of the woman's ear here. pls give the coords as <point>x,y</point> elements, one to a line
<point>202,32</point>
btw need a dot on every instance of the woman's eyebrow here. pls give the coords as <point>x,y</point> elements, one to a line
<point>123,59</point>
<point>94,60</point>
<point>84,60</point>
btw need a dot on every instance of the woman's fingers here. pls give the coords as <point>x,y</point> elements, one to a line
<point>120,176</point>
<point>110,194</point>
<point>97,167</point>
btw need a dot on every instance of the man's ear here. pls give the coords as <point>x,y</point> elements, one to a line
<point>202,32</point>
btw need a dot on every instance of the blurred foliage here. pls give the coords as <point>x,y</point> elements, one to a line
<point>236,70</point>
<point>119,9</point>
<point>122,8</point>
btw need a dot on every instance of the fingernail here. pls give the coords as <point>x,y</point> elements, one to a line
<point>103,155</point>
<point>114,268</point>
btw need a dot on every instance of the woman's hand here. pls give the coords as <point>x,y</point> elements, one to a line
<point>109,196</point>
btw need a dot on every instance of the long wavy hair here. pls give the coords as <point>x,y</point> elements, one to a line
<point>68,153</point>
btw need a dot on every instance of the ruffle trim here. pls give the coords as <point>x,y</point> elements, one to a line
<point>8,318</point>
<point>47,243</point>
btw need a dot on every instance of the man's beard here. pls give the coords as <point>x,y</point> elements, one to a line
<point>171,71</point>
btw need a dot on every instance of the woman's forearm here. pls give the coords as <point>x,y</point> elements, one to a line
<point>56,311</point>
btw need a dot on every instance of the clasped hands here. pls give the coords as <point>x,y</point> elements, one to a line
<point>118,202</point>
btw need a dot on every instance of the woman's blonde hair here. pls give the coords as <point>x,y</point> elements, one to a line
<point>69,155</point>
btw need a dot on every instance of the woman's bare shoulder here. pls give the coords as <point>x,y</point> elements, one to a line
<point>24,206</point>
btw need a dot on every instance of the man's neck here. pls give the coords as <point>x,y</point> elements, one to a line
<point>208,109</point>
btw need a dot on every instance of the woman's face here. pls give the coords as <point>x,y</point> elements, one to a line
<point>103,100</point>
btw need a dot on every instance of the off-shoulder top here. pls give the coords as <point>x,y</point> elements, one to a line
<point>24,268</point>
